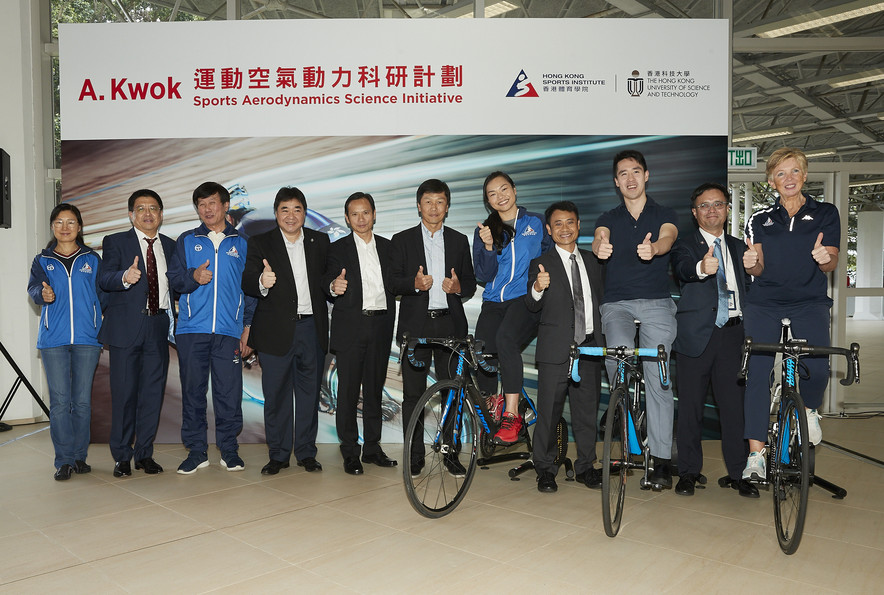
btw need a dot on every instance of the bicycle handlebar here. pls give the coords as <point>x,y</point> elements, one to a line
<point>472,346</point>
<point>621,353</point>
<point>799,348</point>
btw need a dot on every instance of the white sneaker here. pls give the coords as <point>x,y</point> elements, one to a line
<point>755,467</point>
<point>814,431</point>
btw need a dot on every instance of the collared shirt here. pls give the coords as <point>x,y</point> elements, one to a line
<point>160,255</point>
<point>298,262</point>
<point>217,237</point>
<point>584,282</point>
<point>434,252</point>
<point>729,272</point>
<point>374,296</point>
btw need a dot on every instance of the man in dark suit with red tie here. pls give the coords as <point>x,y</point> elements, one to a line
<point>284,269</point>
<point>565,284</point>
<point>136,330</point>
<point>433,274</point>
<point>358,280</point>
<point>710,269</point>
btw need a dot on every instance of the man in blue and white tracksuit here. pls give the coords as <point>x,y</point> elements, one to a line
<point>213,326</point>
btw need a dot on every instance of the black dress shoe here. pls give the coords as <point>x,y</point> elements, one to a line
<point>273,467</point>
<point>122,469</point>
<point>64,472</point>
<point>380,459</point>
<point>352,466</point>
<point>546,483</point>
<point>746,489</point>
<point>310,464</point>
<point>661,476</point>
<point>591,478</point>
<point>685,485</point>
<point>150,466</point>
<point>417,465</point>
<point>81,467</point>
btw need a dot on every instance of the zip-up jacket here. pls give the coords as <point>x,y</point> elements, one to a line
<point>74,318</point>
<point>220,305</point>
<point>506,274</point>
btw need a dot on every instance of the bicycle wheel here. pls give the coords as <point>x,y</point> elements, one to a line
<point>791,472</point>
<point>441,442</point>
<point>615,457</point>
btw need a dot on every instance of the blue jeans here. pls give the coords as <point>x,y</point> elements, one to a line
<point>69,372</point>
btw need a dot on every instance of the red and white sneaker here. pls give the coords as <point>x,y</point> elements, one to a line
<point>508,434</point>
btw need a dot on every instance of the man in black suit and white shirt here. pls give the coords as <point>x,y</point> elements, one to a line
<point>710,267</point>
<point>284,268</point>
<point>358,279</point>
<point>569,305</point>
<point>433,272</point>
<point>136,331</point>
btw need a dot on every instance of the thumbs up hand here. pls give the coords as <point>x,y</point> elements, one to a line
<point>820,253</point>
<point>710,263</point>
<point>47,293</point>
<point>422,282</point>
<point>339,285</point>
<point>202,275</point>
<point>542,281</point>
<point>604,249</point>
<point>750,256</point>
<point>133,273</point>
<point>451,284</point>
<point>485,236</point>
<point>646,250</point>
<point>268,277</point>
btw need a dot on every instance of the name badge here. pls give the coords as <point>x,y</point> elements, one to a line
<point>731,301</point>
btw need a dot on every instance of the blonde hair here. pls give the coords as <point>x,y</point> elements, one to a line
<point>780,155</point>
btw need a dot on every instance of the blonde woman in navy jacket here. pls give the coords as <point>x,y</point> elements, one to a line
<point>64,281</point>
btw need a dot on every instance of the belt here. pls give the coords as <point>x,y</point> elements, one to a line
<point>733,321</point>
<point>437,313</point>
<point>302,316</point>
<point>146,312</point>
<point>373,312</point>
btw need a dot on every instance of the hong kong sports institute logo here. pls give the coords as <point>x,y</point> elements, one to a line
<point>522,87</point>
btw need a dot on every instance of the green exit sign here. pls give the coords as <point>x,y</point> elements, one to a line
<point>742,157</point>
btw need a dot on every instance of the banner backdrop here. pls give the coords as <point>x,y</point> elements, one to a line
<point>378,106</point>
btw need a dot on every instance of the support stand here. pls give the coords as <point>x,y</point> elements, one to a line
<point>19,380</point>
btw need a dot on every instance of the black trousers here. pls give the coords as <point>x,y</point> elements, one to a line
<point>506,327</point>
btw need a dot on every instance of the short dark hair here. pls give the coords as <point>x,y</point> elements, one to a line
<point>58,210</point>
<point>629,154</point>
<point>287,193</point>
<point>433,186</point>
<point>710,186</point>
<point>562,205</point>
<point>207,189</point>
<point>144,192</point>
<point>358,196</point>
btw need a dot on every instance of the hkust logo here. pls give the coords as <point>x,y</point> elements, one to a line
<point>522,87</point>
<point>635,85</point>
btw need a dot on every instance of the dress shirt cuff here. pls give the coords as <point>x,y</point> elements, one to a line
<point>264,291</point>
<point>700,272</point>
<point>125,284</point>
<point>536,294</point>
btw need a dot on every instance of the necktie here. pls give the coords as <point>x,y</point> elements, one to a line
<point>153,282</point>
<point>579,305</point>
<point>720,277</point>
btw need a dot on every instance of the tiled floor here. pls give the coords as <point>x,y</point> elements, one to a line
<point>330,532</point>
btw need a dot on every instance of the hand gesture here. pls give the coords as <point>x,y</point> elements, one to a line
<point>339,285</point>
<point>47,293</point>
<point>244,350</point>
<point>646,250</point>
<point>750,256</point>
<point>202,275</point>
<point>451,284</point>
<point>542,281</point>
<point>605,249</point>
<point>710,263</point>
<point>422,282</point>
<point>820,253</point>
<point>268,277</point>
<point>133,273</point>
<point>485,236</point>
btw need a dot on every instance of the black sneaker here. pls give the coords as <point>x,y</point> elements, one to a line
<point>454,467</point>
<point>64,472</point>
<point>661,476</point>
<point>81,467</point>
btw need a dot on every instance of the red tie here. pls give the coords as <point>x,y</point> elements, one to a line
<point>153,283</point>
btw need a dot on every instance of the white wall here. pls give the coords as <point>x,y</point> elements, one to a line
<point>22,134</point>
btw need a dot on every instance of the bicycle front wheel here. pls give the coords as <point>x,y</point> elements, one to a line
<point>791,472</point>
<point>440,449</point>
<point>615,463</point>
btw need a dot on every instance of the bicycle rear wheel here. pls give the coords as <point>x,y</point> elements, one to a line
<point>791,472</point>
<point>615,458</point>
<point>441,443</point>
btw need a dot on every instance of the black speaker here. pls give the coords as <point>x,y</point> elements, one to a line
<point>5,191</point>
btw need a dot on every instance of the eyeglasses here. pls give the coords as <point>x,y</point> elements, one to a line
<point>140,209</point>
<point>718,204</point>
<point>64,223</point>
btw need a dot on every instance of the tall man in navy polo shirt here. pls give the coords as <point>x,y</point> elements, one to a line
<point>634,238</point>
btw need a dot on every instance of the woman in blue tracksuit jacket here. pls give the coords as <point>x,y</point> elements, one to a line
<point>503,247</point>
<point>64,281</point>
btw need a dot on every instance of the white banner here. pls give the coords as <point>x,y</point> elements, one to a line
<point>366,77</point>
